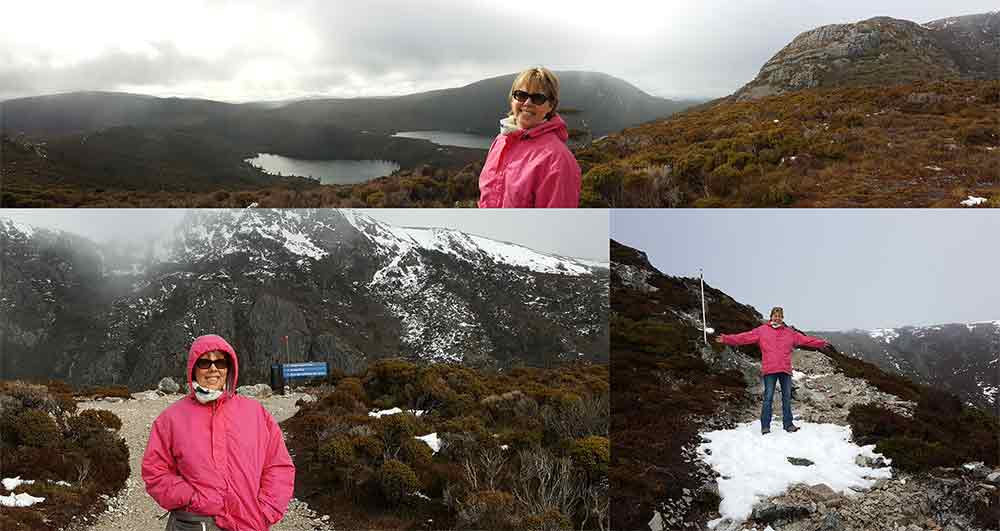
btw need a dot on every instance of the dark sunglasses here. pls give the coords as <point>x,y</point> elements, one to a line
<point>204,363</point>
<point>523,96</point>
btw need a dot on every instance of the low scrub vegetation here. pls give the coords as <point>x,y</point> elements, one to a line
<point>525,449</point>
<point>915,145</point>
<point>73,457</point>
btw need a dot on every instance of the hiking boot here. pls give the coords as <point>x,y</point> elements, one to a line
<point>792,428</point>
<point>765,431</point>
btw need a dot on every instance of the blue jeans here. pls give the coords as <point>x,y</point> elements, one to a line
<point>786,399</point>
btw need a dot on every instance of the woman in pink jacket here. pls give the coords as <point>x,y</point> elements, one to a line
<point>776,342</point>
<point>529,164</point>
<point>217,460</point>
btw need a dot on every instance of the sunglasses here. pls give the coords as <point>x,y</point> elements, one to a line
<point>523,96</point>
<point>205,363</point>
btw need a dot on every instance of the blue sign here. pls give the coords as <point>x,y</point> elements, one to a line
<point>304,370</point>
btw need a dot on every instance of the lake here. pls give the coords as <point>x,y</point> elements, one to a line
<point>325,171</point>
<point>448,138</point>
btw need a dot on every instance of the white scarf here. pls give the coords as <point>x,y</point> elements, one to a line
<point>205,395</point>
<point>508,125</point>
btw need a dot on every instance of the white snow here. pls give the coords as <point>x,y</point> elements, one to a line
<point>13,483</point>
<point>432,440</point>
<point>934,168</point>
<point>19,500</point>
<point>754,466</point>
<point>973,201</point>
<point>394,411</point>
<point>888,335</point>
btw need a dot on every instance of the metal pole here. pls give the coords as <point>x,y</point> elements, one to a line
<point>704,323</point>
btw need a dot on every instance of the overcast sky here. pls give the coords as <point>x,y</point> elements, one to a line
<point>269,49</point>
<point>832,269</point>
<point>579,233</point>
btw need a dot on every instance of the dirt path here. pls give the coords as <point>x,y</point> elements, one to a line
<point>133,509</point>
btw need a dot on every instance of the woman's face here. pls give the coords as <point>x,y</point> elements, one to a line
<point>528,114</point>
<point>213,377</point>
<point>778,318</point>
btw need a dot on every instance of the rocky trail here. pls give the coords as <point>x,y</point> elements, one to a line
<point>132,509</point>
<point>894,501</point>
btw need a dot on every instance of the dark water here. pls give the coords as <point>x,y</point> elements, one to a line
<point>448,138</point>
<point>325,171</point>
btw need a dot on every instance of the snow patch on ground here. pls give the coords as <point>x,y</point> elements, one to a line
<point>754,466</point>
<point>432,440</point>
<point>15,482</point>
<point>973,201</point>
<point>394,411</point>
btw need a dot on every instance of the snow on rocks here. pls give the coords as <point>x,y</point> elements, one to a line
<point>432,440</point>
<point>394,411</point>
<point>974,201</point>
<point>753,466</point>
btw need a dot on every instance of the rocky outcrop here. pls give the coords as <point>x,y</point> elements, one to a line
<point>882,50</point>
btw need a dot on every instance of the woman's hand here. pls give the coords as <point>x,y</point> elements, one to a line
<point>718,339</point>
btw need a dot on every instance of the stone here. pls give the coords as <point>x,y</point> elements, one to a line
<point>798,461</point>
<point>832,521</point>
<point>822,492</point>
<point>260,391</point>
<point>771,512</point>
<point>168,386</point>
<point>994,478</point>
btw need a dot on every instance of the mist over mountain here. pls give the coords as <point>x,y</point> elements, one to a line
<point>342,287</point>
<point>961,358</point>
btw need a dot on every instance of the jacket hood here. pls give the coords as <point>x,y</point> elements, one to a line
<point>554,125</point>
<point>207,344</point>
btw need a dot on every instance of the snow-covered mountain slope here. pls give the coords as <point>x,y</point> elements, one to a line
<point>341,286</point>
<point>960,357</point>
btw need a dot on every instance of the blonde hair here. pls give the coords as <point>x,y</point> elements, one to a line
<point>543,77</point>
<point>778,310</point>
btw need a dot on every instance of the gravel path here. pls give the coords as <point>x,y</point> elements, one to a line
<point>132,509</point>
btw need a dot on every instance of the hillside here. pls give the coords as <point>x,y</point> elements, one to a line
<point>927,144</point>
<point>342,287</point>
<point>592,101</point>
<point>879,113</point>
<point>676,397</point>
<point>961,358</point>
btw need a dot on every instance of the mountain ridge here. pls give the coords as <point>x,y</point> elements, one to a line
<point>343,287</point>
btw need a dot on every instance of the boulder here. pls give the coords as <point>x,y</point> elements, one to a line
<point>773,512</point>
<point>168,386</point>
<point>260,391</point>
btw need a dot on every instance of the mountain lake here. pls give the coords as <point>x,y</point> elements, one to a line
<point>325,171</point>
<point>449,138</point>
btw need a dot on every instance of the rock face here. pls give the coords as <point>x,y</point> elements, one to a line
<point>882,50</point>
<point>317,285</point>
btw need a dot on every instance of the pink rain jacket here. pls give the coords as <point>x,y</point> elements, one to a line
<point>225,459</point>
<point>531,169</point>
<point>776,345</point>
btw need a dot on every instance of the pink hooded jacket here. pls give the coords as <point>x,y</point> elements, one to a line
<point>226,458</point>
<point>531,169</point>
<point>776,345</point>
